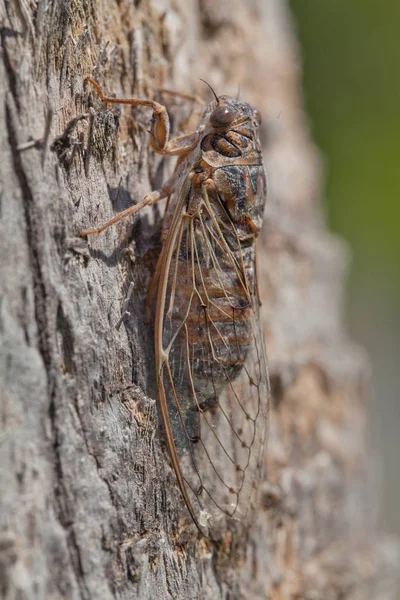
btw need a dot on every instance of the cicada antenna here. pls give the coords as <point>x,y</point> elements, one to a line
<point>215,95</point>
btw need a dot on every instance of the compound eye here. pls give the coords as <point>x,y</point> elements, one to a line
<point>258,116</point>
<point>222,116</point>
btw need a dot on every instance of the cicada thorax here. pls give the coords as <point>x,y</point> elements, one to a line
<point>238,175</point>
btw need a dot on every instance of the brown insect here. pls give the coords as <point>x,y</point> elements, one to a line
<point>211,362</point>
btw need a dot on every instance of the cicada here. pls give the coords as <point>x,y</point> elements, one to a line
<point>211,365</point>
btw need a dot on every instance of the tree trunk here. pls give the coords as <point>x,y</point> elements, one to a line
<point>89,503</point>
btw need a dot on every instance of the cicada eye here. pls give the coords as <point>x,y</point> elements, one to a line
<point>222,116</point>
<point>258,116</point>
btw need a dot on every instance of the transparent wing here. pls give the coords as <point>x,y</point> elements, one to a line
<point>211,361</point>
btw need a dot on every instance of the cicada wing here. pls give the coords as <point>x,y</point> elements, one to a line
<point>212,368</point>
<point>223,467</point>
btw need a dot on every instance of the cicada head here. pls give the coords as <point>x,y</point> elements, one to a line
<point>231,134</point>
<point>230,112</point>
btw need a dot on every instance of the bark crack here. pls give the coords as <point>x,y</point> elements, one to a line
<point>35,255</point>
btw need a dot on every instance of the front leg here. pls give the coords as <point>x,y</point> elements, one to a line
<point>159,139</point>
<point>160,128</point>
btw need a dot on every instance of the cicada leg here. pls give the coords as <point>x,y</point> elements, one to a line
<point>183,95</point>
<point>148,200</point>
<point>159,134</point>
<point>195,114</point>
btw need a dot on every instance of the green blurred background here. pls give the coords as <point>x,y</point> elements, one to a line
<point>351,54</point>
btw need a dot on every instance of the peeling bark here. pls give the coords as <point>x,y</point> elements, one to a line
<point>89,504</point>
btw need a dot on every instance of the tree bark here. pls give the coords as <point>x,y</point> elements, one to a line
<point>89,504</point>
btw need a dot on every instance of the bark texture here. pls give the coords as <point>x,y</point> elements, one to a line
<point>89,504</point>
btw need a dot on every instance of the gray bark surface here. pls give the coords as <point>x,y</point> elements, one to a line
<point>89,504</point>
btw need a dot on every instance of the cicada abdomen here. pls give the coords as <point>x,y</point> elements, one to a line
<point>210,357</point>
<point>210,354</point>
